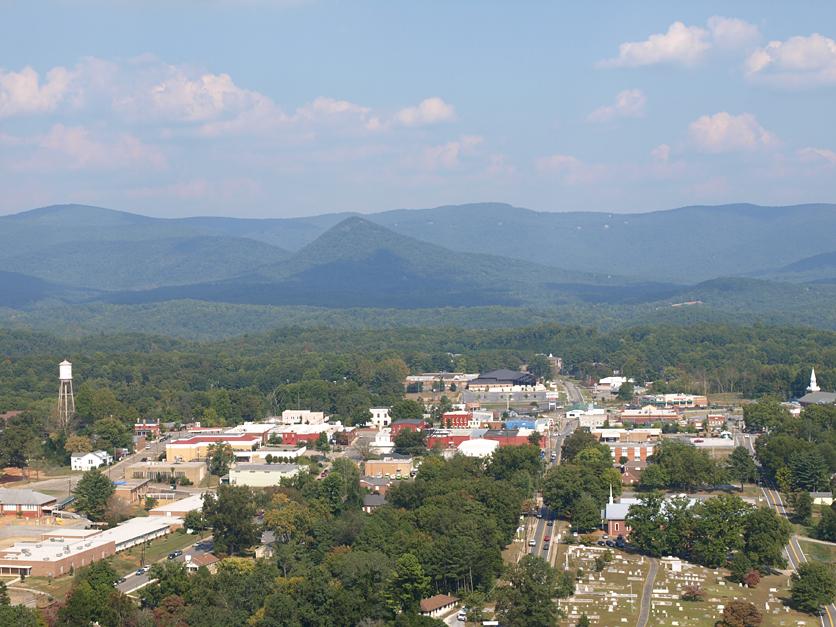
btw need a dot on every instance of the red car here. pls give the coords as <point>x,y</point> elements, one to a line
<point>547,538</point>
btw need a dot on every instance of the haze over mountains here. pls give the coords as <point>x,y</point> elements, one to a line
<point>479,255</point>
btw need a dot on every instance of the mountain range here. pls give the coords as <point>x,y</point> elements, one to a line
<point>477,255</point>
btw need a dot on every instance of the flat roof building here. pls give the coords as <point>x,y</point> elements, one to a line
<point>179,509</point>
<point>196,447</point>
<point>261,475</point>
<point>164,472</point>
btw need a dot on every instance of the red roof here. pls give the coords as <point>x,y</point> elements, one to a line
<point>437,602</point>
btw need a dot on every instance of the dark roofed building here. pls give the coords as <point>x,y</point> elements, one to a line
<point>818,398</point>
<point>26,503</point>
<point>372,501</point>
<point>437,605</point>
<point>503,377</point>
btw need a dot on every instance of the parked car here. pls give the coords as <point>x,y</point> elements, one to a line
<point>545,546</point>
<point>532,542</point>
<point>610,544</point>
<point>620,542</point>
<point>141,570</point>
<point>175,554</point>
<point>547,538</point>
<point>550,523</point>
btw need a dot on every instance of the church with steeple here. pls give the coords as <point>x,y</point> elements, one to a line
<point>814,395</point>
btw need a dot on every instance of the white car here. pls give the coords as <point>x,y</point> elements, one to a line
<point>532,542</point>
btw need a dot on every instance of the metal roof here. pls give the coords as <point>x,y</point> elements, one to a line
<point>10,496</point>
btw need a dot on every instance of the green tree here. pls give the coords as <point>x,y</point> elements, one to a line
<point>92,493</point>
<point>575,443</point>
<point>322,442</point>
<point>4,594</point>
<point>230,515</point>
<point>764,415</point>
<point>826,527</point>
<point>528,599</point>
<point>19,616</point>
<point>406,409</point>
<point>802,504</point>
<point>220,457</point>
<point>540,367</point>
<point>809,470</point>
<point>407,585</point>
<point>741,466</point>
<point>411,442</point>
<point>111,433</point>
<point>765,534</point>
<point>654,477</point>
<point>172,579</point>
<point>813,586</point>
<point>586,514</point>
<point>583,621</point>
<point>194,520</point>
<point>626,391</point>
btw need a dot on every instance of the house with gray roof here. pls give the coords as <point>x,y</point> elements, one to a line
<point>26,503</point>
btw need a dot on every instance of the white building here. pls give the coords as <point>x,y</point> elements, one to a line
<point>380,417</point>
<point>590,418</point>
<point>302,417</point>
<point>382,443</point>
<point>261,475</point>
<point>86,461</point>
<point>611,385</point>
<point>481,448</point>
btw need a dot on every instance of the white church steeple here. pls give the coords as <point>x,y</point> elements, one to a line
<point>813,387</point>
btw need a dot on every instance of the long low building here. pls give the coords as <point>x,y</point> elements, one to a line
<point>60,553</point>
<point>261,475</point>
<point>197,447</point>
<point>179,509</point>
<point>164,472</point>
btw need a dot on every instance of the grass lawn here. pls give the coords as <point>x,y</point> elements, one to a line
<point>818,552</point>
<point>56,587</point>
<point>128,561</point>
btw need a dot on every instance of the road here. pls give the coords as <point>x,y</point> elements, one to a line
<point>135,582</point>
<point>647,592</point>
<point>67,483</point>
<point>795,556</point>
<point>573,392</point>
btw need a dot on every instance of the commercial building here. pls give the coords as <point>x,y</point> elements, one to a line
<point>147,430</point>
<point>179,509</point>
<point>302,417</point>
<point>502,380</point>
<point>460,420</point>
<point>261,475</point>
<point>649,414</point>
<point>131,490</point>
<point>611,385</point>
<point>275,452</point>
<point>164,472</point>
<point>26,503</point>
<point>63,551</point>
<point>437,381</point>
<point>480,448</point>
<point>682,401</point>
<point>590,417</point>
<point>262,429</point>
<point>88,461</point>
<point>197,447</point>
<point>388,467</point>
<point>411,424</point>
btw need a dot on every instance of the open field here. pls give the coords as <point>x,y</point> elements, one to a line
<point>818,552</point>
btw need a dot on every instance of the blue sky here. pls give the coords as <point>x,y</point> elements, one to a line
<point>282,108</point>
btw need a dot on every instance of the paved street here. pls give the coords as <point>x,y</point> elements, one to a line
<point>647,591</point>
<point>135,582</point>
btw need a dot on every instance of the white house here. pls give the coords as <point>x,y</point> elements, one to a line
<point>380,417</point>
<point>86,461</point>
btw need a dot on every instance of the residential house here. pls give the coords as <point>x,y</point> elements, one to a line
<point>380,417</point>
<point>26,503</point>
<point>372,501</point>
<point>87,461</point>
<point>437,605</point>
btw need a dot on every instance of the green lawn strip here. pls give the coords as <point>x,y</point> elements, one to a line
<point>816,552</point>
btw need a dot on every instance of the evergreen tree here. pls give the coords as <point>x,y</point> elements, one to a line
<point>92,493</point>
<point>813,586</point>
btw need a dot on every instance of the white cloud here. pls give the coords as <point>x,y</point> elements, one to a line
<point>24,93</point>
<point>796,62</point>
<point>628,104</point>
<point>820,155</point>
<point>723,132</point>
<point>448,156</point>
<point>732,33</point>
<point>569,169</point>
<point>685,45</point>
<point>75,148</point>
<point>428,111</point>
<point>662,153</point>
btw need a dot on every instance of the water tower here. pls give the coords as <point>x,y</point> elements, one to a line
<point>66,400</point>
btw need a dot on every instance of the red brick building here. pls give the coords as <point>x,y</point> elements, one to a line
<point>456,419</point>
<point>26,503</point>
<point>411,424</point>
